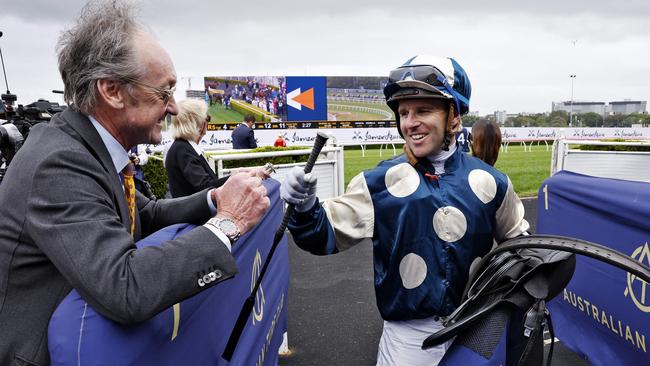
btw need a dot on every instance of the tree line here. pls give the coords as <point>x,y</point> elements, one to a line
<point>561,119</point>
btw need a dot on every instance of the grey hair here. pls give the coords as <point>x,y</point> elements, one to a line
<point>98,46</point>
<point>188,122</point>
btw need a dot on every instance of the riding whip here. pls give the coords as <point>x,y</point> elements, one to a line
<point>321,138</point>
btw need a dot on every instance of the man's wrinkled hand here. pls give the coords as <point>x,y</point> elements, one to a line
<point>242,199</point>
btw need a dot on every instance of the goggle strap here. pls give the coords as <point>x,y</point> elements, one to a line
<point>456,95</point>
<point>462,98</point>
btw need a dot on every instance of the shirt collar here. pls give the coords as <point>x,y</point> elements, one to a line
<point>439,160</point>
<point>442,155</point>
<point>119,156</point>
<point>196,147</point>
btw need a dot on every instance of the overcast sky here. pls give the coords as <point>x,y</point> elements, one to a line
<point>518,54</point>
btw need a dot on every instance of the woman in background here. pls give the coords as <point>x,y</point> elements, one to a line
<point>486,141</point>
<point>187,167</point>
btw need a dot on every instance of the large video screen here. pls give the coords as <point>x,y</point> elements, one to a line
<point>298,101</point>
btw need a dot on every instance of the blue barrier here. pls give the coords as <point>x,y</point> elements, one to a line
<point>195,331</point>
<point>604,313</point>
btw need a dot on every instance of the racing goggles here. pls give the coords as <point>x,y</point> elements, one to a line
<point>400,78</point>
<point>424,73</point>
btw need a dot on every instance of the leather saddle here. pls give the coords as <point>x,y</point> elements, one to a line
<point>505,299</point>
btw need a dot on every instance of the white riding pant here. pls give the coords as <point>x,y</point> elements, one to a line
<point>401,343</point>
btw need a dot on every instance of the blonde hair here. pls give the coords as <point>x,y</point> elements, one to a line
<point>188,122</point>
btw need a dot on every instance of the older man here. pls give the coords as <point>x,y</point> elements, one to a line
<point>69,213</point>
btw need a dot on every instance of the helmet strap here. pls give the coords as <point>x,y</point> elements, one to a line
<point>449,132</point>
<point>409,155</point>
<point>422,165</point>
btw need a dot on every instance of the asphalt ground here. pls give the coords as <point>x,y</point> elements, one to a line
<point>333,319</point>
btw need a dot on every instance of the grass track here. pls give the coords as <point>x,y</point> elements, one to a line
<point>220,114</point>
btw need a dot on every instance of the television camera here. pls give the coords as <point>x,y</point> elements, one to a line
<point>15,123</point>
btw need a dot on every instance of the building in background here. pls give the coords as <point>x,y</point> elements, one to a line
<point>500,117</point>
<point>616,107</point>
<point>195,94</point>
<point>627,106</point>
<point>580,107</point>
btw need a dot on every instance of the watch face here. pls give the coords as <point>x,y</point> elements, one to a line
<point>229,228</point>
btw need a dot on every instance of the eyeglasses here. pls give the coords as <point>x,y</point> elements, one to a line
<point>165,94</point>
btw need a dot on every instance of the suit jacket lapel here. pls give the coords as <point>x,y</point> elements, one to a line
<point>201,158</point>
<point>90,138</point>
<point>206,166</point>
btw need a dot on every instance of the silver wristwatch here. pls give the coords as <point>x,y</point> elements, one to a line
<point>227,226</point>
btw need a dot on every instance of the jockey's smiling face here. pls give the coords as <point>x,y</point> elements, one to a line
<point>423,124</point>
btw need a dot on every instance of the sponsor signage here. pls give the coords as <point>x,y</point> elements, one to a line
<point>603,312</point>
<point>306,98</point>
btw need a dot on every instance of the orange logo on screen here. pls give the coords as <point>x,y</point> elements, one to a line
<point>305,98</point>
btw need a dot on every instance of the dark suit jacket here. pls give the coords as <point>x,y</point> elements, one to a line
<point>187,172</point>
<point>243,137</point>
<point>64,224</point>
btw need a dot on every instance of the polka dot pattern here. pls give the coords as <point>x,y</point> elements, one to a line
<point>483,185</point>
<point>402,180</point>
<point>449,223</point>
<point>412,270</point>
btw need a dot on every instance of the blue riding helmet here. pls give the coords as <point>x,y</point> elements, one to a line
<point>429,77</point>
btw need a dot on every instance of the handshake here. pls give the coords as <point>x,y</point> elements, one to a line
<point>243,199</point>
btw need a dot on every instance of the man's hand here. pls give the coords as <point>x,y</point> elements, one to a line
<point>242,199</point>
<point>299,188</point>
<point>257,172</point>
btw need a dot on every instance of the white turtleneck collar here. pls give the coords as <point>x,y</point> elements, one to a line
<point>438,160</point>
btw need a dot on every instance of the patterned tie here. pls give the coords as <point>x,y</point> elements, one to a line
<point>129,192</point>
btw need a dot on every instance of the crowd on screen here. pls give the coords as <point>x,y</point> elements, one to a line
<point>267,97</point>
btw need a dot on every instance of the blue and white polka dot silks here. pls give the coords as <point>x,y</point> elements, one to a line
<point>425,233</point>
